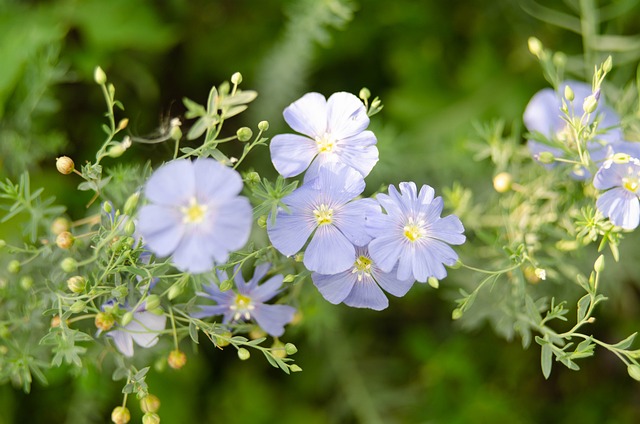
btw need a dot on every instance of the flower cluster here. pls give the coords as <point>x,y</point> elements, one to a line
<point>353,247</point>
<point>578,127</point>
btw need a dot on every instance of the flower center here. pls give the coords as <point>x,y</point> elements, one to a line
<point>323,214</point>
<point>242,306</point>
<point>414,229</point>
<point>630,183</point>
<point>362,266</point>
<point>326,143</point>
<point>194,213</point>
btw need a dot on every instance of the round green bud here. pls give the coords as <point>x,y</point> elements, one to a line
<point>226,285</point>
<point>535,46</point>
<point>590,104</point>
<point>222,339</point>
<point>2,243</point>
<point>252,178</point>
<point>277,349</point>
<point>243,354</point>
<point>131,203</point>
<point>59,225</point>
<point>559,59</point>
<point>290,348</point>
<point>456,314</point>
<point>634,371</point>
<point>120,415</point>
<point>4,331</point>
<point>175,291</point>
<point>99,76</point>
<point>546,157</point>
<point>78,306</point>
<point>295,368</point>
<point>106,207</point>
<point>150,403</point>
<point>13,266</point>
<point>263,125</point>
<point>116,150</point>
<point>130,228</point>
<point>598,266</point>
<point>244,134</point>
<point>126,318</point>
<point>502,182</point>
<point>77,284</point>
<point>364,93</point>
<point>568,93</point>
<point>152,302</point>
<point>151,418</point>
<point>262,221</point>
<point>433,282</point>
<point>236,78</point>
<point>26,282</point>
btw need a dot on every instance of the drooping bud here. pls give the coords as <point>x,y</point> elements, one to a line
<point>290,348</point>
<point>120,415</point>
<point>263,125</point>
<point>26,282</point>
<point>456,314</point>
<point>69,264</point>
<point>243,354</point>
<point>77,284</point>
<point>295,368</point>
<point>104,321</point>
<point>244,134</point>
<point>568,93</point>
<point>150,403</point>
<point>65,165</point>
<point>151,418</point>
<point>590,104</point>
<point>433,282</point>
<point>236,78</point>
<point>176,359</point>
<point>364,93</point>
<point>535,46</point>
<point>65,240</point>
<point>502,182</point>
<point>634,371</point>
<point>174,129</point>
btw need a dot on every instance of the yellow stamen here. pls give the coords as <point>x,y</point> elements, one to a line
<point>414,230</point>
<point>630,184</point>
<point>362,266</point>
<point>324,215</point>
<point>194,213</point>
<point>326,143</point>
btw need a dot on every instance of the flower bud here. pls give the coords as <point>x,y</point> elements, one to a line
<point>99,76</point>
<point>150,403</point>
<point>104,321</point>
<point>559,59</point>
<point>252,178</point>
<point>278,350</point>
<point>13,267</point>
<point>607,65</point>
<point>152,302</point>
<point>129,229</point>
<point>502,182</point>
<point>131,203</point>
<point>78,306</point>
<point>26,282</point>
<point>177,359</point>
<point>65,240</point>
<point>262,221</point>
<point>263,125</point>
<point>535,46</point>
<point>65,165</point>
<point>546,157</point>
<point>107,207</point>
<point>433,282</point>
<point>116,150</point>
<point>120,415</point>
<point>295,368</point>
<point>598,266</point>
<point>226,285</point>
<point>243,354</point>
<point>76,284</point>
<point>151,418</point>
<point>590,104</point>
<point>126,318</point>
<point>175,291</point>
<point>290,348</point>
<point>69,264</point>
<point>59,225</point>
<point>568,93</point>
<point>289,278</point>
<point>298,257</point>
<point>456,314</point>
<point>236,78</point>
<point>244,134</point>
<point>364,93</point>
<point>222,338</point>
<point>123,124</point>
<point>174,129</point>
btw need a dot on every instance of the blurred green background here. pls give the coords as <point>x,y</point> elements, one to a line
<point>439,67</point>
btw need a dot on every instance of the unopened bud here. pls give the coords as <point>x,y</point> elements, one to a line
<point>364,93</point>
<point>150,403</point>
<point>65,240</point>
<point>598,266</point>
<point>69,264</point>
<point>226,285</point>
<point>55,321</point>
<point>65,165</point>
<point>222,339</point>
<point>59,225</point>
<point>244,134</point>
<point>278,350</point>
<point>99,76</point>
<point>130,228</point>
<point>295,368</point>
<point>13,267</point>
<point>546,157</point>
<point>243,354</point>
<point>107,207</point>
<point>236,78</point>
<point>104,321</point>
<point>175,291</point>
<point>607,65</point>
<point>290,348</point>
<point>433,282</point>
<point>77,306</point>
<point>126,318</point>
<point>26,282</point>
<point>152,302</point>
<point>456,314</point>
<point>288,278</point>
<point>535,46</point>
<point>151,418</point>
<point>252,178</point>
<point>177,359</point>
<point>502,182</point>
<point>77,284</point>
<point>298,257</point>
<point>175,132</point>
<point>123,124</point>
<point>559,59</point>
<point>262,221</point>
<point>116,150</point>
<point>568,93</point>
<point>590,104</point>
<point>263,125</point>
<point>120,415</point>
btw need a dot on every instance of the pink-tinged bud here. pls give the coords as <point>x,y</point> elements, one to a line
<point>104,321</point>
<point>65,165</point>
<point>177,359</point>
<point>120,415</point>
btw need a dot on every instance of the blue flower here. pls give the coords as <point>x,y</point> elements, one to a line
<point>620,203</point>
<point>195,214</point>
<point>248,302</point>
<point>412,235</point>
<point>144,330</point>
<point>334,131</point>
<point>543,115</point>
<point>359,286</point>
<point>322,209</point>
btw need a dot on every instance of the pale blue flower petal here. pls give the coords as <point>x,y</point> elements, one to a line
<point>308,115</point>
<point>273,318</point>
<point>385,252</point>
<point>346,115</point>
<point>390,282</point>
<point>291,154</point>
<point>449,229</point>
<point>145,328</point>
<point>359,152</point>
<point>367,294</point>
<point>215,182</point>
<point>329,251</point>
<point>335,287</point>
<point>171,184</point>
<point>209,311</point>
<point>161,227</point>
<point>621,207</point>
<point>542,113</point>
<point>290,232</point>
<point>123,342</point>
<point>351,221</point>
<point>267,290</point>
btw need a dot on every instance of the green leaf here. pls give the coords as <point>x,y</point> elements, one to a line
<point>193,332</point>
<point>583,306</point>
<point>240,98</point>
<point>140,374</point>
<point>545,358</point>
<point>626,343</point>
<point>233,111</point>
